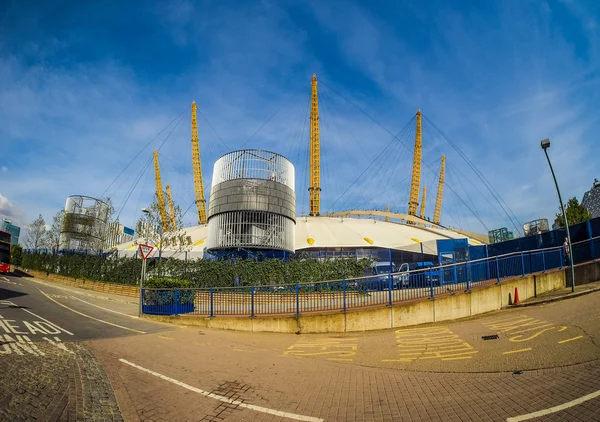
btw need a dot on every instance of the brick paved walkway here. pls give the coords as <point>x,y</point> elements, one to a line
<point>319,388</point>
<point>52,384</point>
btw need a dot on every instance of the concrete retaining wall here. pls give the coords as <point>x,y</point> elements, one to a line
<point>443,308</point>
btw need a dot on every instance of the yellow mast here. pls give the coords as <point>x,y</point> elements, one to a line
<point>416,173</point>
<point>387,209</point>
<point>171,209</point>
<point>164,221</point>
<point>423,201</point>
<point>315,152</point>
<point>197,168</point>
<point>440,193</point>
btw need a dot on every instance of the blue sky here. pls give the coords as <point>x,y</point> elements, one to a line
<point>84,86</point>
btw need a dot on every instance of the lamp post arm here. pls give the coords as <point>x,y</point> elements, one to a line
<point>562,208</point>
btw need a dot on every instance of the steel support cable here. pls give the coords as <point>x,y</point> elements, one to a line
<point>467,205</point>
<point>381,176</point>
<point>479,191</point>
<point>486,183</point>
<point>145,167</point>
<point>383,127</point>
<point>384,191</point>
<point>372,162</point>
<point>464,190</point>
<point>142,150</point>
<point>402,131</point>
<point>334,183</point>
<point>391,169</point>
<point>213,129</point>
<point>405,132</point>
<point>260,127</point>
<point>481,176</point>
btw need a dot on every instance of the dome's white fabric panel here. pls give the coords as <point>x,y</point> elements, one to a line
<point>333,232</point>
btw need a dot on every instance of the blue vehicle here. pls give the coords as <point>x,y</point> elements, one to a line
<point>424,274</point>
<point>381,281</point>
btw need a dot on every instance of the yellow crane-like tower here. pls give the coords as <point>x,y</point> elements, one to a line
<point>164,221</point>
<point>415,186</point>
<point>315,152</point>
<point>423,201</point>
<point>197,168</point>
<point>440,193</point>
<point>171,209</point>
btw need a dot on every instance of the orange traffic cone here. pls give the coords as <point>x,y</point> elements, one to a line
<point>517,301</point>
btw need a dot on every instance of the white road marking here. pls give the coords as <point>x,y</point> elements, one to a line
<point>106,309</point>
<point>56,342</point>
<point>91,317</point>
<point>51,323</point>
<point>555,408</point>
<point>225,399</point>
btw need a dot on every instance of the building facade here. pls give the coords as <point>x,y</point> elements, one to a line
<point>252,202</point>
<point>591,199</point>
<point>14,231</point>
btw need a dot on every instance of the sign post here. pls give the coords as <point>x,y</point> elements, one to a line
<point>145,251</point>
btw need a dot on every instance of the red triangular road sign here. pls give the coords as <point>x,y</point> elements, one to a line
<point>146,250</point>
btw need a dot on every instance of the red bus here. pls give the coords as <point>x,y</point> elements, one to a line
<point>5,239</point>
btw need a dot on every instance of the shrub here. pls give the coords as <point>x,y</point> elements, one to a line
<point>167,283</point>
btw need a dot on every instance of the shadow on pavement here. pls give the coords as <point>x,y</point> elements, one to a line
<point>19,273</point>
<point>9,294</point>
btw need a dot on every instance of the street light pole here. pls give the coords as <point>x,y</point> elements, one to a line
<point>545,145</point>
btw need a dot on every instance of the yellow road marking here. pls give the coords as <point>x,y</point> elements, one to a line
<point>166,338</point>
<point>397,360</point>
<point>242,350</point>
<point>348,360</point>
<point>91,317</point>
<point>517,351</point>
<point>570,339</point>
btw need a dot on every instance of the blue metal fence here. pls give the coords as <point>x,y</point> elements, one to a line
<point>352,293</point>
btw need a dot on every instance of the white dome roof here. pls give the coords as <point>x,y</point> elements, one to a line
<point>333,232</point>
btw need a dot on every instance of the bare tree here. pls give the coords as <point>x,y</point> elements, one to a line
<point>150,231</point>
<point>36,236</point>
<point>53,234</point>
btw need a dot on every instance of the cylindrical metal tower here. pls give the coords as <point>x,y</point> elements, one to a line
<point>252,202</point>
<point>84,223</point>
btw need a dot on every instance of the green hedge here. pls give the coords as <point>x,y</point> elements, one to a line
<point>198,273</point>
<point>166,283</point>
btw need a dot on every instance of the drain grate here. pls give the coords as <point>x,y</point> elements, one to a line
<point>492,337</point>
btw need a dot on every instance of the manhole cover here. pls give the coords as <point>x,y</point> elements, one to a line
<point>491,337</point>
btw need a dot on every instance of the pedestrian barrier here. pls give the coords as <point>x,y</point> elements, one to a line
<point>361,292</point>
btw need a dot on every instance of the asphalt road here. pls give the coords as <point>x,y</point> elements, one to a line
<point>66,355</point>
<point>39,310</point>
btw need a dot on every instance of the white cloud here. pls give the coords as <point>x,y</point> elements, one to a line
<point>4,169</point>
<point>82,125</point>
<point>9,211</point>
